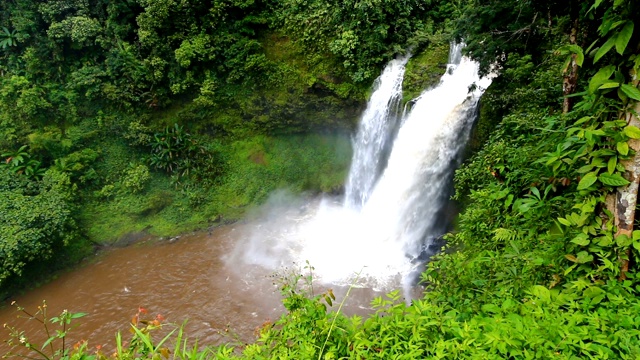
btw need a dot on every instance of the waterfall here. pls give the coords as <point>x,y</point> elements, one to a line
<point>389,216</point>
<point>404,206</point>
<point>374,133</point>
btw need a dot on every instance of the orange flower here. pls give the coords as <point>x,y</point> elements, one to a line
<point>142,310</point>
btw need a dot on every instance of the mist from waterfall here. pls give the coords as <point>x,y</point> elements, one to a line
<point>382,230</point>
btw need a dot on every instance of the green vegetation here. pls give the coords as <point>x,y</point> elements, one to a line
<point>168,116</point>
<point>543,262</point>
<point>423,71</point>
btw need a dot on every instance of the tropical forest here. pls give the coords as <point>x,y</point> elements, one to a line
<point>319,179</point>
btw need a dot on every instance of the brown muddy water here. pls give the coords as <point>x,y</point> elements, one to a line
<point>183,279</point>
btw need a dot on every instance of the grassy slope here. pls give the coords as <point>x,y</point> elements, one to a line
<point>314,156</point>
<point>256,166</point>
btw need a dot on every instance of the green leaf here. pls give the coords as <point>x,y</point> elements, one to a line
<point>604,49</point>
<point>49,340</point>
<point>622,40</point>
<point>583,120</point>
<point>582,240</point>
<point>541,292</point>
<point>587,180</point>
<point>564,221</point>
<point>595,5</point>
<point>509,200</point>
<point>585,169</point>
<point>612,179</point>
<point>78,315</point>
<point>580,58</point>
<point>611,165</point>
<point>569,269</point>
<point>536,192</point>
<point>631,91</point>
<point>609,85</point>
<point>490,308</point>
<point>632,131</point>
<point>584,257</point>
<point>622,96</point>
<point>600,77</point>
<point>623,240</point>
<point>623,148</point>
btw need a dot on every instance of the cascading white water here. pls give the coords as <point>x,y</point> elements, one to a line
<point>405,203</point>
<point>387,220</point>
<point>374,132</point>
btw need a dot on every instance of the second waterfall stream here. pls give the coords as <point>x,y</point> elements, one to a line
<point>397,190</point>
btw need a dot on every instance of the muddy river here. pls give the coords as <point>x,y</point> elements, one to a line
<point>189,278</point>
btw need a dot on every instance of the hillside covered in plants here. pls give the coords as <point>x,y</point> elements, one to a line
<point>127,117</point>
<point>171,115</point>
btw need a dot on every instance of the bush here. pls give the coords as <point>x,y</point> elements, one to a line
<point>36,219</point>
<point>136,177</point>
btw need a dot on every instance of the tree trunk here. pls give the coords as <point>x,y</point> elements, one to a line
<point>622,204</point>
<point>570,73</point>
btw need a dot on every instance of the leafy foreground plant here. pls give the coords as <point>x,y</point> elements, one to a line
<point>54,347</point>
<point>142,345</point>
<point>584,320</point>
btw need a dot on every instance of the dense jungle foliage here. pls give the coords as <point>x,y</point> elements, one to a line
<point>544,259</point>
<point>165,116</point>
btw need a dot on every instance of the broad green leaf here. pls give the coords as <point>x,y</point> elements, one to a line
<point>611,165</point>
<point>622,40</point>
<point>585,169</point>
<point>587,180</point>
<point>580,58</point>
<point>509,200</point>
<point>631,91</point>
<point>604,49</point>
<point>536,192</point>
<point>632,132</point>
<point>490,308</point>
<point>622,96</point>
<point>616,24</point>
<point>541,292</point>
<point>600,77</point>
<point>605,240</point>
<point>595,5</point>
<point>636,235</point>
<point>581,239</point>
<point>612,179</point>
<point>564,221</point>
<point>623,148</point>
<point>623,240</point>
<point>583,120</point>
<point>584,257</point>
<point>78,315</point>
<point>609,85</point>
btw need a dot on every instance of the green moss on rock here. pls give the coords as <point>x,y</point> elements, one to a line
<point>424,69</point>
